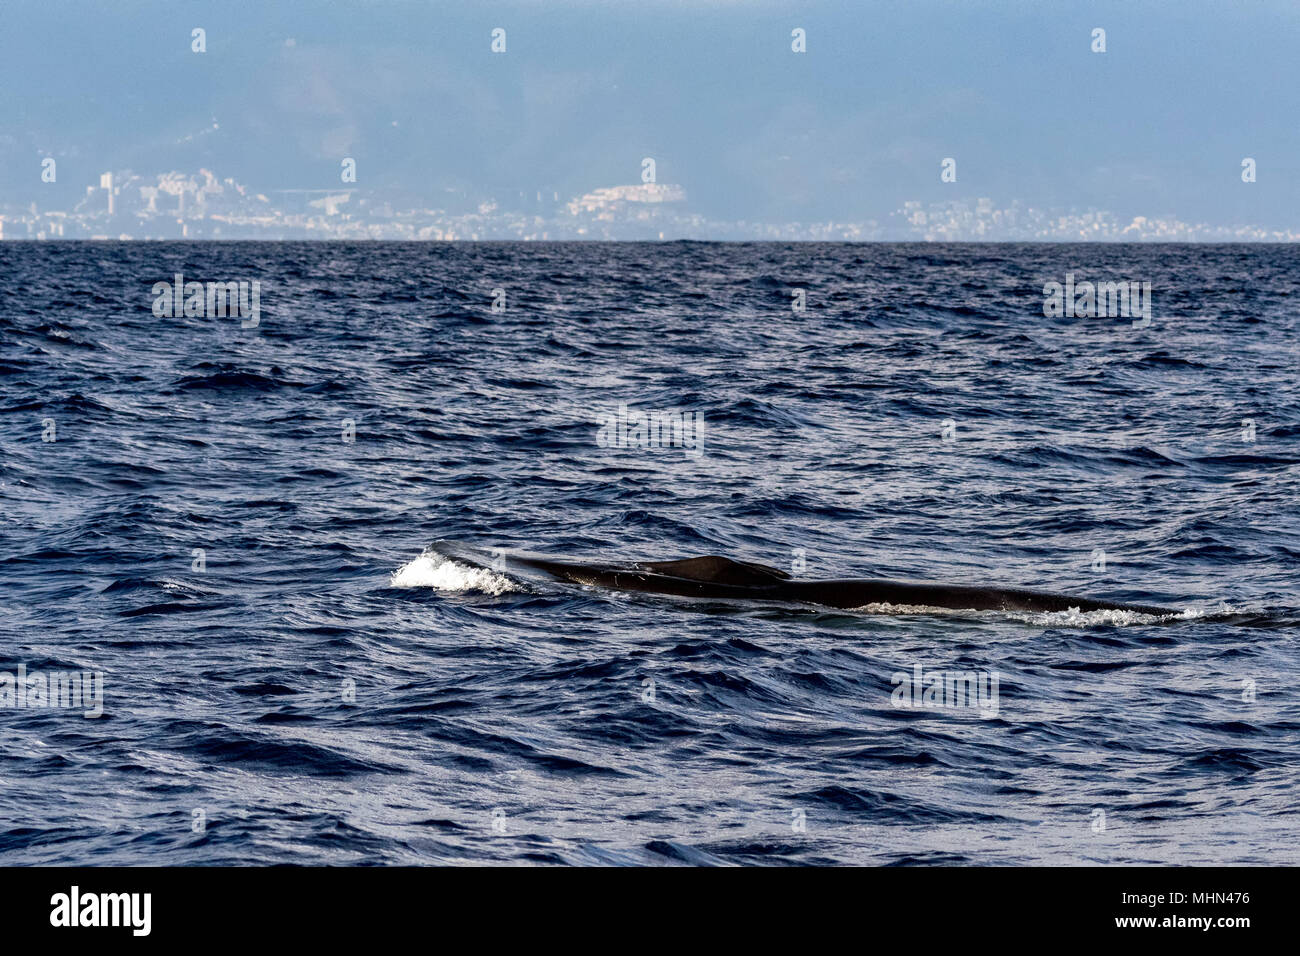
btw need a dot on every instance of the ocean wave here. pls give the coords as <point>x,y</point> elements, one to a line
<point>210,514</point>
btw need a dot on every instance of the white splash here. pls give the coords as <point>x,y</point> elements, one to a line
<point>434,570</point>
<point>884,607</point>
<point>1112,617</point>
<point>1071,618</point>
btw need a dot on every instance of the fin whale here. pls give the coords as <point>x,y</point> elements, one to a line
<point>715,576</point>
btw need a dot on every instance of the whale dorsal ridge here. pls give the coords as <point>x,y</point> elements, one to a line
<point>718,570</point>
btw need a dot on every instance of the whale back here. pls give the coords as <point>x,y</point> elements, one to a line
<point>715,576</point>
<point>717,570</point>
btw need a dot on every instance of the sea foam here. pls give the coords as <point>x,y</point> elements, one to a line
<point>434,570</point>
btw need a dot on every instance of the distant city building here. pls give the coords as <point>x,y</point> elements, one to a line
<point>106,184</point>
<point>609,200</point>
<point>203,206</point>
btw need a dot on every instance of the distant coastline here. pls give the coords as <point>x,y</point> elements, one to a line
<point>173,205</point>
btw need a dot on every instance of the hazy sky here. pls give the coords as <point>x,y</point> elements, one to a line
<point>1159,124</point>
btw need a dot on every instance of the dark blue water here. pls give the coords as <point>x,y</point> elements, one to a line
<point>323,690</point>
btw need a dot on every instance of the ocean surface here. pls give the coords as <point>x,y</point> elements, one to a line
<point>235,526</point>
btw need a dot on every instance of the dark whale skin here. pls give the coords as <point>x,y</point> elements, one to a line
<point>714,576</point>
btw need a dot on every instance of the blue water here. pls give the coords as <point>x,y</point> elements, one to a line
<point>325,688</point>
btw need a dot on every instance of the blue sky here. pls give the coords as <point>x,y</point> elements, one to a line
<point>1157,125</point>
